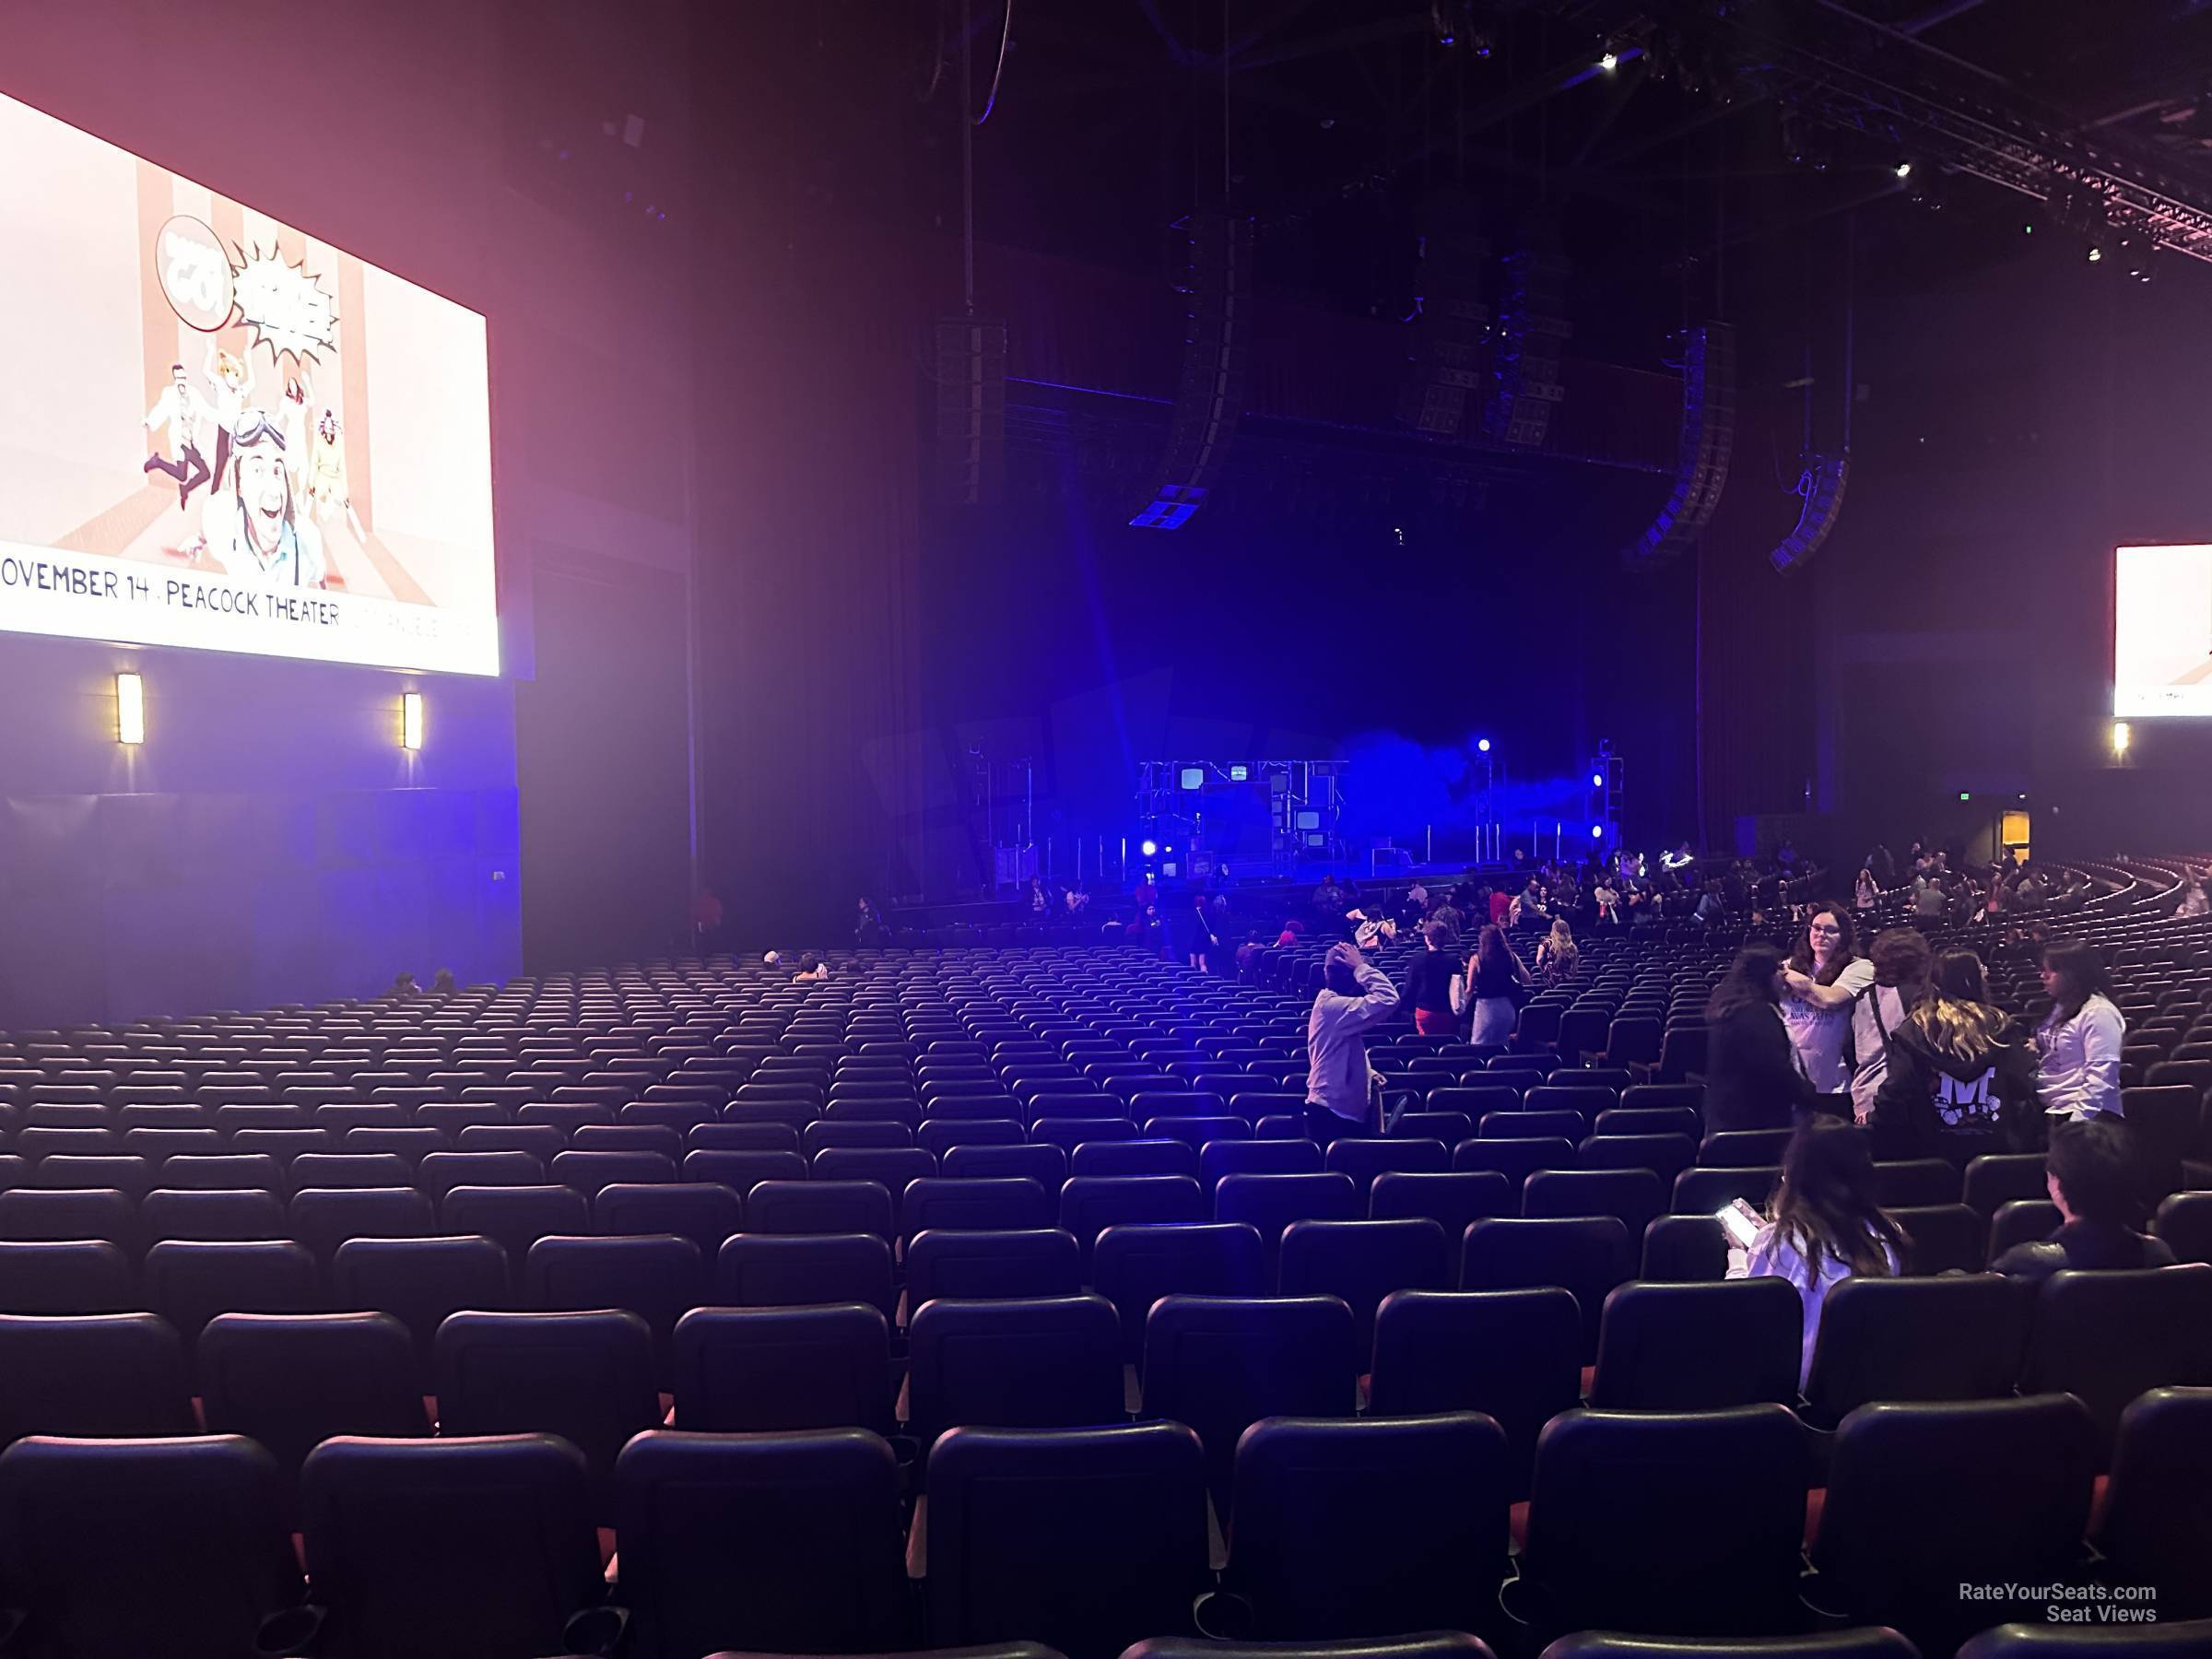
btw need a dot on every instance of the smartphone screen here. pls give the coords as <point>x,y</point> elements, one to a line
<point>1740,1222</point>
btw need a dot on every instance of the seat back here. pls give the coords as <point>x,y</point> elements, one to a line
<point>1089,1204</point>
<point>1271,1202</point>
<point>189,1282</point>
<point>976,1266</point>
<point>449,1547</point>
<point>1515,1356</point>
<point>1607,1548</point>
<point>775,1270</point>
<point>1924,1498</point>
<point>1586,1256</point>
<point>2106,1337</point>
<point>291,1380</point>
<point>1341,1525</point>
<point>1135,1264</point>
<point>80,1275</point>
<point>742,1371</point>
<point>1084,1539</point>
<point>1032,1362</point>
<point>419,1281</point>
<point>976,1206</point>
<point>658,1277</point>
<point>1699,1346</point>
<point>819,1206</point>
<point>128,1546</point>
<point>585,1377</point>
<point>1943,1237</point>
<point>1954,1337</point>
<point>324,1218</point>
<point>1362,1261</point>
<point>2156,1528</point>
<point>2184,1221</point>
<point>775,1543</point>
<point>99,1376</point>
<point>1221,1364</point>
<point>702,1211</point>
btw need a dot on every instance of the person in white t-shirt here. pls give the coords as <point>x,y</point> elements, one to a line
<point>1824,978</point>
<point>2078,1046</point>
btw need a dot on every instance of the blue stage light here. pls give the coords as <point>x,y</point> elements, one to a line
<point>1598,780</point>
<point>1597,832</point>
<point>1148,848</point>
<point>1484,746</point>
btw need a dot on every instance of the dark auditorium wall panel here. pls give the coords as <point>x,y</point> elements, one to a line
<point>600,736</point>
<point>269,841</point>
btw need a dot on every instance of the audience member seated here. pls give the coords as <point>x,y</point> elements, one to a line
<point>2096,1181</point>
<point>1823,1225</point>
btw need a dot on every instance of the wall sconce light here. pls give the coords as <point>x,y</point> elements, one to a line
<point>410,719</point>
<point>2121,737</point>
<point>130,709</point>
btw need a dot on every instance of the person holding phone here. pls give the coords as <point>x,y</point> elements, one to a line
<point>1823,1225</point>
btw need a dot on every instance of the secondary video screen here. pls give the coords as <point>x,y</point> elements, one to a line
<point>223,433</point>
<point>2162,631</point>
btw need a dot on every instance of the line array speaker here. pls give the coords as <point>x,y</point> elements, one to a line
<point>1447,366</point>
<point>1822,485</point>
<point>1532,331</point>
<point>1217,354</point>
<point>1701,457</point>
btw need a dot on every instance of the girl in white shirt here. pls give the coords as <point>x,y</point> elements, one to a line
<point>2078,1046</point>
<point>1823,1225</point>
<point>1824,978</point>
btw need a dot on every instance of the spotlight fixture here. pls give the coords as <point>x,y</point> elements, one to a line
<point>130,709</point>
<point>1149,847</point>
<point>1598,780</point>
<point>1597,831</point>
<point>1903,170</point>
<point>1484,745</point>
<point>1610,62</point>
<point>410,721</point>
<point>2121,738</point>
<point>2096,254</point>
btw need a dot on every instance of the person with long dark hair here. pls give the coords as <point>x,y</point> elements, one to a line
<point>1824,978</point>
<point>1494,974</point>
<point>2078,1046</point>
<point>1752,1076</point>
<point>1428,981</point>
<point>1823,1224</point>
<point>1957,1085</point>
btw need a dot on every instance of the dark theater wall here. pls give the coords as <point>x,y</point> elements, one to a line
<point>271,840</point>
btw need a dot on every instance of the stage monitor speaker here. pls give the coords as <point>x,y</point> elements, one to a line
<point>972,411</point>
<point>1217,354</point>
<point>1701,457</point>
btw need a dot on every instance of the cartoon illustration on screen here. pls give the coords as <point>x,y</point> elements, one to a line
<point>326,473</point>
<point>264,538</point>
<point>189,416</point>
<point>292,417</point>
<point>233,383</point>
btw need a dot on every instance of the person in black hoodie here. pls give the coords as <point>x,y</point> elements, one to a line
<point>2094,1182</point>
<point>1752,1078</point>
<point>1958,1084</point>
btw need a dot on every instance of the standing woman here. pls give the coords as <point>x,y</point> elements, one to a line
<point>1556,956</point>
<point>2078,1046</point>
<point>1869,893</point>
<point>1493,974</point>
<point>1958,1084</point>
<point>1428,982</point>
<point>1824,978</point>
<point>1752,1076</point>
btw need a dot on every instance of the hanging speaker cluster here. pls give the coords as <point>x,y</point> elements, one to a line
<point>1447,367</point>
<point>1701,457</point>
<point>1821,486</point>
<point>1532,332</point>
<point>1217,354</point>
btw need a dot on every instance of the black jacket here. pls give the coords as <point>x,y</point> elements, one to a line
<point>1751,1076</point>
<point>2085,1245</point>
<point>1931,1095</point>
